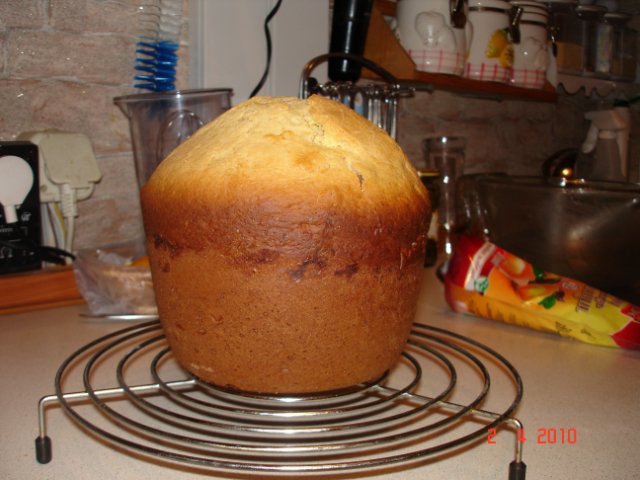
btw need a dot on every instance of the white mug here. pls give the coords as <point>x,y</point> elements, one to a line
<point>425,30</point>
<point>490,55</point>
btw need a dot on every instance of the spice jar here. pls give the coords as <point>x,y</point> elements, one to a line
<point>577,43</point>
<point>615,47</point>
<point>628,56</point>
<point>560,13</point>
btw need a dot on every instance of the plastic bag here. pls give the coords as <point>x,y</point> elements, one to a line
<point>490,282</point>
<point>116,279</point>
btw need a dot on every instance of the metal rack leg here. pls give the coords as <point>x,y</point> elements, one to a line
<point>43,442</point>
<point>43,449</point>
<point>517,468</point>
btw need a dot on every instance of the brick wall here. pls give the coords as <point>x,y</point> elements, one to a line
<point>62,62</point>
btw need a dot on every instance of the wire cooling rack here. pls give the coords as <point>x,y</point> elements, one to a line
<point>157,410</point>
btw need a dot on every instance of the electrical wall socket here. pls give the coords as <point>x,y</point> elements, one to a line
<point>64,158</point>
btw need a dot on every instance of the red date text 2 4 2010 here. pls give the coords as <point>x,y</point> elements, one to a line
<point>544,436</point>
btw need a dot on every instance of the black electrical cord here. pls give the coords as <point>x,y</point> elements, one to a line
<point>42,252</point>
<point>267,34</point>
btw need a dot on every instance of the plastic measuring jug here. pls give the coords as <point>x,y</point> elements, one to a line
<point>159,122</point>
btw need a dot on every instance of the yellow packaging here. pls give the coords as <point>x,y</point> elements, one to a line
<point>490,282</point>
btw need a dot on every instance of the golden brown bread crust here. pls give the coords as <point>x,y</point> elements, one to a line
<point>286,241</point>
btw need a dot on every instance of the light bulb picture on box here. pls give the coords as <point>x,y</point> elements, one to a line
<point>20,229</point>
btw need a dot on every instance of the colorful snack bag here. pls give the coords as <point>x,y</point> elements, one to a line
<point>485,280</point>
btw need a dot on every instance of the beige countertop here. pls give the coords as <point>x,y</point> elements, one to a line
<point>590,395</point>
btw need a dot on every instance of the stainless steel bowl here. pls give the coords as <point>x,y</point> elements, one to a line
<point>589,231</point>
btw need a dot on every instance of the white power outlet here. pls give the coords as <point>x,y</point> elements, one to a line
<point>64,158</point>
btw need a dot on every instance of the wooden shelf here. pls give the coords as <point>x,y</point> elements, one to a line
<point>383,48</point>
<point>48,288</point>
<point>575,83</point>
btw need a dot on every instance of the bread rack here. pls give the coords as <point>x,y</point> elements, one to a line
<point>376,101</point>
<point>401,420</point>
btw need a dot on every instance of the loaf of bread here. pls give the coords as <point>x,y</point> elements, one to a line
<point>286,241</point>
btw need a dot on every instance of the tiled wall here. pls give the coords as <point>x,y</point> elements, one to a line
<point>63,61</point>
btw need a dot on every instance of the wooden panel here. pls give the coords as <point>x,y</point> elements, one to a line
<point>52,287</point>
<point>386,7</point>
<point>383,48</point>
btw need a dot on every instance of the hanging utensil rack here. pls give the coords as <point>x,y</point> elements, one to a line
<point>376,101</point>
<point>392,421</point>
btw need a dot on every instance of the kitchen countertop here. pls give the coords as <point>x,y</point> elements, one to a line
<point>592,392</point>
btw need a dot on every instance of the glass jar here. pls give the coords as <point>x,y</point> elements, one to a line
<point>628,56</point>
<point>610,46</point>
<point>577,41</point>
<point>589,19</point>
<point>431,179</point>
<point>560,15</point>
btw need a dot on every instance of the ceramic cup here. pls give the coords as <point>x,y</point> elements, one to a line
<point>490,55</point>
<point>426,31</point>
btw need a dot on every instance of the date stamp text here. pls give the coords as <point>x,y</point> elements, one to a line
<point>542,436</point>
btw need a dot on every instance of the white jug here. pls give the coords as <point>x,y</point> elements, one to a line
<point>531,53</point>
<point>491,50</point>
<point>433,33</point>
